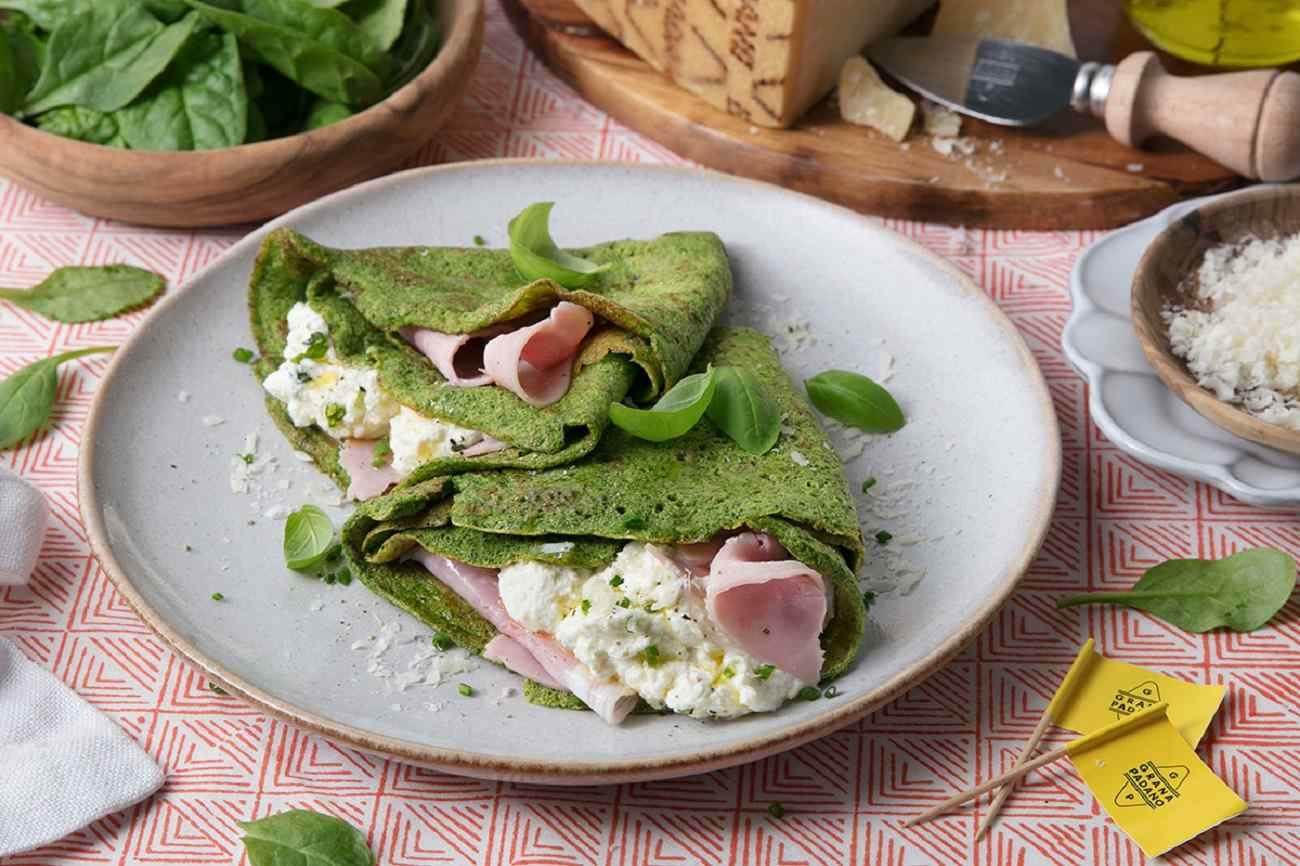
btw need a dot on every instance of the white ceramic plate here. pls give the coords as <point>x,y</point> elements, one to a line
<point>967,487</point>
<point>1127,399</point>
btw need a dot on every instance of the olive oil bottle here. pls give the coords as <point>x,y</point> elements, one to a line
<point>1222,32</point>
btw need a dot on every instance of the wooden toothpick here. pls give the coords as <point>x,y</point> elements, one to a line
<point>1009,776</point>
<point>1044,722</point>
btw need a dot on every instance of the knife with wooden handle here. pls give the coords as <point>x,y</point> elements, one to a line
<point>1248,121</point>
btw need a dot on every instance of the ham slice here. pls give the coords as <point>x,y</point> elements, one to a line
<point>771,606</point>
<point>536,362</point>
<point>458,357</point>
<point>478,587</point>
<point>697,558</point>
<point>365,479</point>
<point>487,445</point>
<point>510,653</point>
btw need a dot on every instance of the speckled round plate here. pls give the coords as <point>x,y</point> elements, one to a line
<point>967,487</point>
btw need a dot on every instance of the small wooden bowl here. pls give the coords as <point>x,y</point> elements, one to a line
<point>1176,253</point>
<point>252,182</point>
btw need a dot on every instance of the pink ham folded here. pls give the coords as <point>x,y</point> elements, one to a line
<point>536,362</point>
<point>512,655</point>
<point>771,606</point>
<point>366,480</point>
<point>487,445</point>
<point>458,357</point>
<point>478,587</point>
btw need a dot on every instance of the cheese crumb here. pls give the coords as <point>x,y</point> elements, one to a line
<point>868,101</point>
<point>1241,339</point>
<point>939,120</point>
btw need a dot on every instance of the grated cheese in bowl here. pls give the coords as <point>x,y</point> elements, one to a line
<point>1241,339</point>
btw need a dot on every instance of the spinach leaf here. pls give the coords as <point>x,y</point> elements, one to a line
<point>308,536</point>
<point>82,124</point>
<point>855,400</point>
<point>536,256</point>
<point>47,14</point>
<point>27,396</point>
<point>199,103</point>
<point>284,104</point>
<point>256,125</point>
<point>28,52</point>
<point>11,84</point>
<point>417,46</point>
<point>677,411</point>
<point>88,294</point>
<point>381,20</point>
<point>329,27</point>
<point>106,56</point>
<point>290,49</point>
<point>323,113</point>
<point>1241,592</point>
<point>744,412</point>
<point>300,837</point>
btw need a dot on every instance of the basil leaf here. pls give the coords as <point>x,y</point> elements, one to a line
<point>417,46</point>
<point>855,400</point>
<point>308,536</point>
<point>381,20</point>
<point>82,124</point>
<point>744,412</point>
<point>88,294</point>
<point>106,56</point>
<point>295,51</point>
<point>1241,592</point>
<point>199,103</point>
<point>27,396</point>
<point>677,411</point>
<point>300,837</point>
<point>537,257</point>
<point>324,113</point>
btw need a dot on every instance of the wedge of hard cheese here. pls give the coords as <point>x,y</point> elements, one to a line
<point>766,61</point>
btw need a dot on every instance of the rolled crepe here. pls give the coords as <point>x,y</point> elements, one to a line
<point>786,515</point>
<point>412,312</point>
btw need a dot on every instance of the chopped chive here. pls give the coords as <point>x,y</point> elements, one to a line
<point>442,642</point>
<point>317,345</point>
<point>242,355</point>
<point>727,673</point>
<point>216,596</point>
<point>764,671</point>
<point>586,605</point>
<point>216,689</point>
<point>328,578</point>
<point>616,581</point>
<point>333,554</point>
<point>776,810</point>
<point>334,414</point>
<point>868,599</point>
<point>625,602</point>
<point>832,692</point>
<point>247,458</point>
<point>809,693</point>
<point>382,453</point>
<point>466,690</point>
<point>882,537</point>
<point>480,241</point>
<point>868,484</point>
<point>652,656</point>
<point>649,607</point>
<point>345,577</point>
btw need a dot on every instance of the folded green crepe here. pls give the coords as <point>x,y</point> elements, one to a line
<point>653,308</point>
<point>682,491</point>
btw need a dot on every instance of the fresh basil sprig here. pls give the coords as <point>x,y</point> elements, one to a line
<point>1241,592</point>
<point>677,411</point>
<point>536,256</point>
<point>300,837</point>
<point>27,397</point>
<point>308,538</point>
<point>855,400</point>
<point>744,412</point>
<point>88,294</point>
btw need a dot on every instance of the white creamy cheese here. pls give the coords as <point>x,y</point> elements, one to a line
<point>1243,342</point>
<point>349,402</point>
<point>649,631</point>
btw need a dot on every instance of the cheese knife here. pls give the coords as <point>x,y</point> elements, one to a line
<point>1248,121</point>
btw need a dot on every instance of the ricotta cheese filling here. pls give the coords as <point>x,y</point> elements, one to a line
<point>642,622</point>
<point>348,402</point>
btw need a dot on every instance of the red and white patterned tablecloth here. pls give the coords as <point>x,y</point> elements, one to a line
<point>845,796</point>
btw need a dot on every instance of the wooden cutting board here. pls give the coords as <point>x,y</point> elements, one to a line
<point>1068,174</point>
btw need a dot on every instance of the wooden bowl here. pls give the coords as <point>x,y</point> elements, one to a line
<point>252,182</point>
<point>1161,279</point>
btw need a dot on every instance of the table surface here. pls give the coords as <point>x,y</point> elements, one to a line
<point>845,796</point>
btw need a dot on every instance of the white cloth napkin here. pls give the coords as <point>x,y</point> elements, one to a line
<point>63,764</point>
<point>23,515</point>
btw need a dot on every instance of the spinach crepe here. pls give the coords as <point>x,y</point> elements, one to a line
<point>690,575</point>
<point>409,363</point>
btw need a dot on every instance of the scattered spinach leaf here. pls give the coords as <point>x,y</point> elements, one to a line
<point>300,837</point>
<point>82,124</point>
<point>27,396</point>
<point>46,14</point>
<point>88,294</point>
<point>1241,592</point>
<point>199,103</point>
<point>677,411</point>
<point>324,26</point>
<point>536,256</point>
<point>855,400</point>
<point>744,412</point>
<point>308,538</point>
<point>381,20</point>
<point>105,56</point>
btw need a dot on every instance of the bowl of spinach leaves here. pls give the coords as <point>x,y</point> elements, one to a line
<point>215,112</point>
